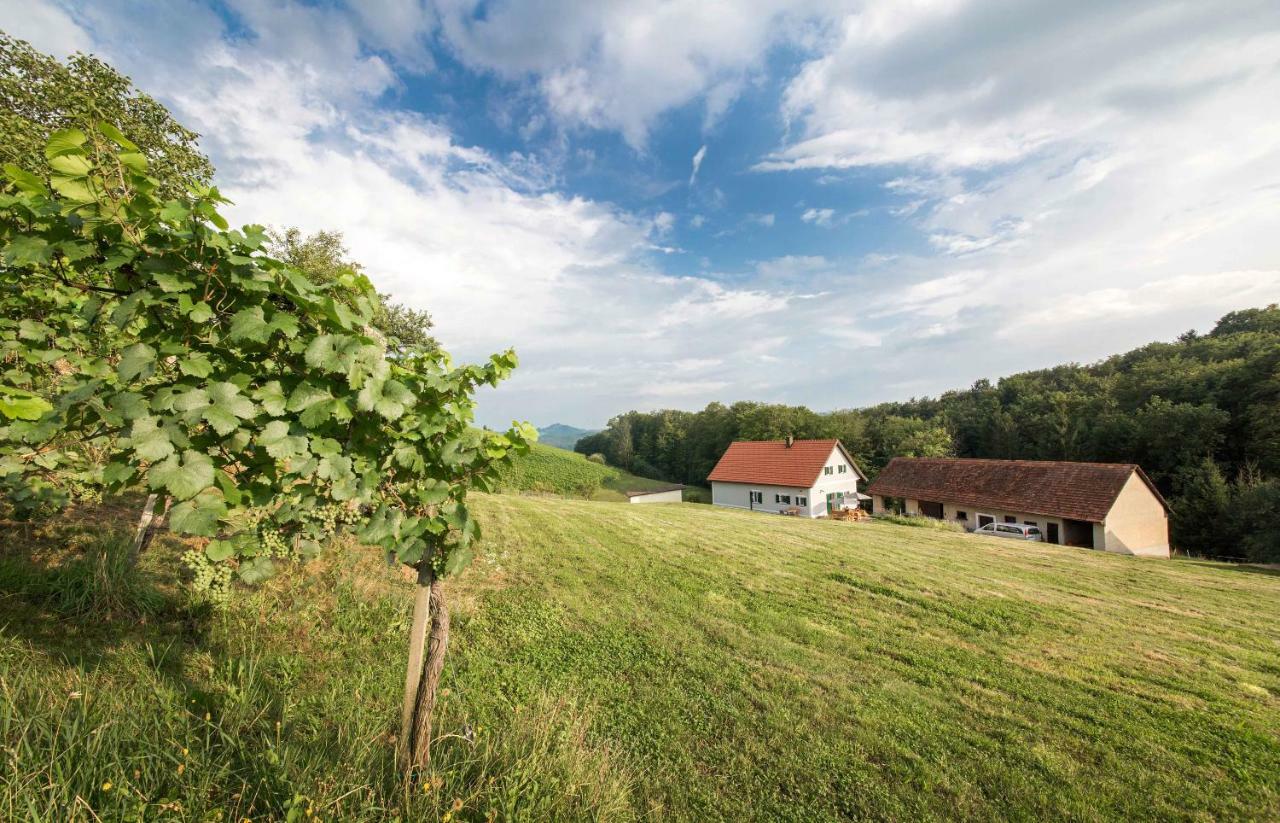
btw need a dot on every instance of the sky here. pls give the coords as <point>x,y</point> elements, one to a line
<point>818,202</point>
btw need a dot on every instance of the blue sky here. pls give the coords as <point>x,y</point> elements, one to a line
<point>661,204</point>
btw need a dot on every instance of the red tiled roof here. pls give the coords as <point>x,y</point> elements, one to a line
<point>773,463</point>
<point>1078,491</point>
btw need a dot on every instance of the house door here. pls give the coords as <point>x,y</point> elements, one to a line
<point>1051,532</point>
<point>984,519</point>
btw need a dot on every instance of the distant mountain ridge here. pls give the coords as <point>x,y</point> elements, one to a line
<point>562,436</point>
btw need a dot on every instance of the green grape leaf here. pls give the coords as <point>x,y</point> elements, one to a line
<point>275,438</point>
<point>250,324</point>
<point>196,364</point>
<point>136,360</point>
<point>200,313</point>
<point>184,477</point>
<point>200,515</point>
<point>256,570</point>
<point>271,396</point>
<point>18,404</point>
<point>25,250</point>
<point>150,442</point>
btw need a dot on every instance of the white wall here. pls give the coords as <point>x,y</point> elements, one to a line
<point>670,496</point>
<point>735,495</point>
<point>1137,523</point>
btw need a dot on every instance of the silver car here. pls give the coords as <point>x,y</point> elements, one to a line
<point>1015,531</point>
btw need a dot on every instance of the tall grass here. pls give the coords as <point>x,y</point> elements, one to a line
<point>120,701</point>
<point>920,521</point>
<point>97,578</point>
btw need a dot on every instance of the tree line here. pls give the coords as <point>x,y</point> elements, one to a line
<point>1201,415</point>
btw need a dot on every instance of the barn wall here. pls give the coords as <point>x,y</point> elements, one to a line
<point>1137,523</point>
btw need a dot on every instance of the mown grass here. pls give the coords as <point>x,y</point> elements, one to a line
<point>550,470</point>
<point>615,662</point>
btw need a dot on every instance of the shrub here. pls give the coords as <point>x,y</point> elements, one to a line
<point>920,521</point>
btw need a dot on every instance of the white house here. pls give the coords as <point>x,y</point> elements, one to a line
<point>804,477</point>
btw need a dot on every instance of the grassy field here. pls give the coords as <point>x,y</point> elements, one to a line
<point>616,662</point>
<point>550,470</point>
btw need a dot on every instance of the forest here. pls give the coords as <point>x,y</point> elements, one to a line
<point>1200,414</point>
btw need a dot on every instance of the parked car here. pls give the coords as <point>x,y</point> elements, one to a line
<point>1015,531</point>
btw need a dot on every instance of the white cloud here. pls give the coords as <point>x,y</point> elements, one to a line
<point>45,26</point>
<point>697,164</point>
<point>619,65</point>
<point>1082,180</point>
<point>818,217</point>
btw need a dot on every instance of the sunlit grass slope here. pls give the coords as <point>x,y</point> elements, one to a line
<point>555,471</point>
<point>759,667</point>
<point>615,662</point>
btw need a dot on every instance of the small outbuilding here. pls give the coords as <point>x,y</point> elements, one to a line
<point>1109,506</point>
<point>673,493</point>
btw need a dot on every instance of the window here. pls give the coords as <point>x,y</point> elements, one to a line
<point>802,501</point>
<point>962,515</point>
<point>786,498</point>
<point>1008,530</point>
<point>827,470</point>
<point>1008,518</point>
<point>1030,523</point>
<point>842,468</point>
<point>777,498</point>
<point>757,497</point>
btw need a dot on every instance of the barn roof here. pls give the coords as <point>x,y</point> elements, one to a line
<point>1078,491</point>
<point>774,463</point>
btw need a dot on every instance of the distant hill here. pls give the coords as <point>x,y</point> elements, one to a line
<point>562,436</point>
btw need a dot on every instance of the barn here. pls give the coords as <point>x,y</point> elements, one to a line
<point>1109,506</point>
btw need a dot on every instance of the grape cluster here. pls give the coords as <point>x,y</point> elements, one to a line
<point>213,580</point>
<point>274,543</point>
<point>331,516</point>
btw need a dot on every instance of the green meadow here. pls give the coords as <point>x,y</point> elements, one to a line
<point>678,662</point>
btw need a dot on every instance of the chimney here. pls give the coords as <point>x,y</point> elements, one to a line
<point>790,441</point>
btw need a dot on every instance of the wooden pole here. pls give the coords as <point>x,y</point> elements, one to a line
<point>413,671</point>
<point>144,525</point>
<point>426,704</point>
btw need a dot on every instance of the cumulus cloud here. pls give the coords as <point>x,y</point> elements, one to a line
<point>620,65</point>
<point>1063,180</point>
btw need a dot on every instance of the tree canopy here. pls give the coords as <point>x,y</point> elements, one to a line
<point>40,95</point>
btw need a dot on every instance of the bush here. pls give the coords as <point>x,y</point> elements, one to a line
<point>922,522</point>
<point>597,458</point>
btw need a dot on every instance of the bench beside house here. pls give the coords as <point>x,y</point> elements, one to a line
<point>1109,506</point>
<point>807,478</point>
